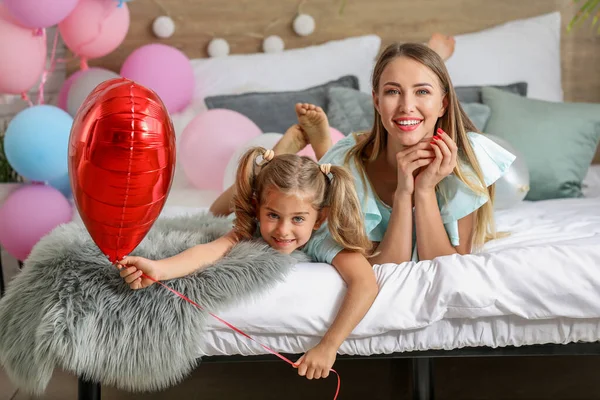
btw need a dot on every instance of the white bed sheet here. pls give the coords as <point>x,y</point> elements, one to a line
<point>447,334</point>
<point>541,284</point>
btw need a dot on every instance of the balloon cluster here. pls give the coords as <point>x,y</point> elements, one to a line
<point>36,140</point>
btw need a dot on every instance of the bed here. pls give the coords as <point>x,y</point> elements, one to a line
<point>484,304</point>
<point>486,299</point>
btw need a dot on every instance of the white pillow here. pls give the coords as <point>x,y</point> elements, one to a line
<point>526,50</point>
<point>294,69</point>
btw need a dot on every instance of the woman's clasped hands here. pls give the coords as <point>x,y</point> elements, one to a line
<point>422,166</point>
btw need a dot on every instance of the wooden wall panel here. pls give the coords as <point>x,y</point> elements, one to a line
<point>393,20</point>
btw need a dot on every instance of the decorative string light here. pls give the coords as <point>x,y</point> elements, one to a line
<point>273,44</point>
<point>218,47</point>
<point>163,27</point>
<point>303,24</point>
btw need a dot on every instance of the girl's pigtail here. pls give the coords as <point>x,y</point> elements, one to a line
<point>345,219</point>
<point>244,198</point>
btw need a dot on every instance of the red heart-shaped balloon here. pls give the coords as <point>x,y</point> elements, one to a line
<point>121,164</point>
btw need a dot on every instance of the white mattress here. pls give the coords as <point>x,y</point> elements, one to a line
<point>541,284</point>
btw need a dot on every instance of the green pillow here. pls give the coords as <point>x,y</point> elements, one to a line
<point>557,140</point>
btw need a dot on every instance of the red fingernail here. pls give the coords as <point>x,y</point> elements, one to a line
<point>437,137</point>
<point>439,131</point>
<point>432,142</point>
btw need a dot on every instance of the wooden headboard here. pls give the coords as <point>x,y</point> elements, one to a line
<point>240,21</point>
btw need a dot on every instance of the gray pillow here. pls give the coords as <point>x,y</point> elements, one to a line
<point>349,110</point>
<point>352,111</point>
<point>275,111</point>
<point>472,94</point>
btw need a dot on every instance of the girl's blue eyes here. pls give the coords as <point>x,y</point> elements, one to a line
<point>295,219</point>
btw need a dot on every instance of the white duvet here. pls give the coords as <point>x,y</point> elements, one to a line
<point>540,284</point>
<point>548,267</point>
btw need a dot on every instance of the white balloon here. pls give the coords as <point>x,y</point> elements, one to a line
<point>266,140</point>
<point>513,186</point>
<point>163,27</point>
<point>218,48</point>
<point>83,86</point>
<point>273,44</point>
<point>304,25</point>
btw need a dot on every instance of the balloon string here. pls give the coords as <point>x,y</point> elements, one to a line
<point>108,10</point>
<point>26,98</point>
<point>50,69</point>
<point>232,327</point>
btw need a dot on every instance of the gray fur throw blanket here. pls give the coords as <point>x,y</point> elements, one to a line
<point>69,308</point>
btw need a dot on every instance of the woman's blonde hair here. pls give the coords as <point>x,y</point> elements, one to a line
<point>293,174</point>
<point>454,122</point>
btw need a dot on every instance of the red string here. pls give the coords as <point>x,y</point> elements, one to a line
<point>240,331</point>
<point>26,98</point>
<point>49,69</point>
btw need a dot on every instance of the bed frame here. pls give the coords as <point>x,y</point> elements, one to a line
<point>423,382</point>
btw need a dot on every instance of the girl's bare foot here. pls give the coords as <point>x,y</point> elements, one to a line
<point>442,44</point>
<point>314,124</point>
<point>293,140</point>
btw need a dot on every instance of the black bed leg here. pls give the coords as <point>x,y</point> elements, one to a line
<point>422,382</point>
<point>87,390</point>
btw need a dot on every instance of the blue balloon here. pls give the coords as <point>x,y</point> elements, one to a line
<point>36,143</point>
<point>63,185</point>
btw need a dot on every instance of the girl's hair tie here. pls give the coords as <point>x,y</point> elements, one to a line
<point>266,157</point>
<point>325,168</point>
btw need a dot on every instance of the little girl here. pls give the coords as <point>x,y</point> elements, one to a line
<point>284,199</point>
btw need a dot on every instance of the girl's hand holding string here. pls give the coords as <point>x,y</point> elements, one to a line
<point>317,362</point>
<point>132,268</point>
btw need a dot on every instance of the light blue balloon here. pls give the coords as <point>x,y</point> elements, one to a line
<point>63,185</point>
<point>36,143</point>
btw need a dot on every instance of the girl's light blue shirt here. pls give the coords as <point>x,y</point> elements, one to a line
<point>457,200</point>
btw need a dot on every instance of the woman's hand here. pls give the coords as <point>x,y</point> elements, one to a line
<point>410,160</point>
<point>317,362</point>
<point>442,165</point>
<point>132,269</point>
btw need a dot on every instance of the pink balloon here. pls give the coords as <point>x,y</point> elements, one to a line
<point>95,27</point>
<point>208,142</point>
<point>165,70</point>
<point>308,150</point>
<point>63,94</point>
<point>39,14</point>
<point>23,55</point>
<point>30,213</point>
